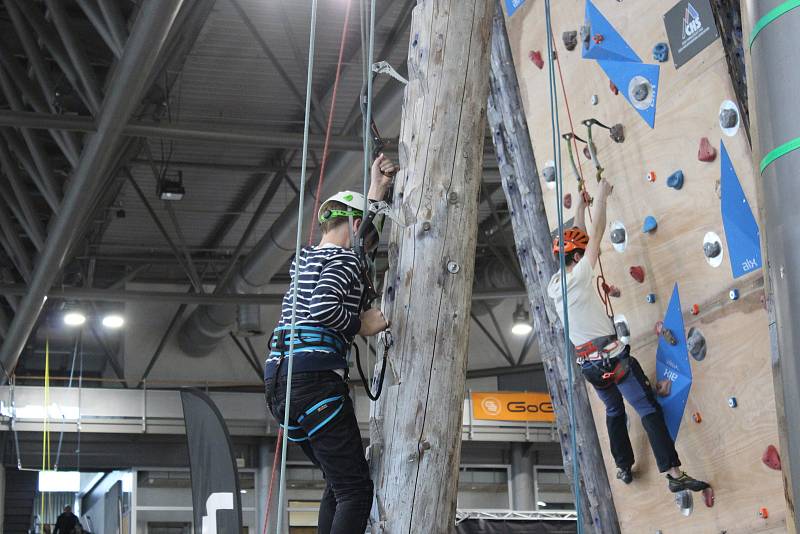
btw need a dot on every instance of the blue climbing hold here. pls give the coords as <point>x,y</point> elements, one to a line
<point>651,298</point>
<point>661,52</point>
<point>650,224</point>
<point>734,294</point>
<point>675,180</point>
<point>732,402</point>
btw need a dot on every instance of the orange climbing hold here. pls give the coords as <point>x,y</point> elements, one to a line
<point>651,176</point>
<point>598,38</point>
<point>697,417</point>
<point>613,87</point>
<point>695,309</point>
<point>772,458</point>
<point>763,512</point>
<point>536,57</point>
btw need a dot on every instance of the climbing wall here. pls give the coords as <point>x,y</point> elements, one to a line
<point>726,445</point>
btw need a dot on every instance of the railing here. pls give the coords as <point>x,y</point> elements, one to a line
<point>514,515</point>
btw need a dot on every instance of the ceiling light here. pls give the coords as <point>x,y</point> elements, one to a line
<point>171,187</point>
<point>541,504</point>
<point>74,318</point>
<point>113,320</point>
<point>522,322</point>
<point>242,491</point>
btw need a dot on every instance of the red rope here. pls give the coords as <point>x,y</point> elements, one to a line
<point>603,289</point>
<point>278,442</point>
<point>329,127</point>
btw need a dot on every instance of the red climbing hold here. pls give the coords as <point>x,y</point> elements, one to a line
<point>695,309</point>
<point>613,87</point>
<point>568,200</point>
<point>651,176</point>
<point>536,57</point>
<point>637,272</point>
<point>659,326</point>
<point>763,512</point>
<point>706,152</point>
<point>708,496</point>
<point>598,38</point>
<point>663,387</point>
<point>772,458</point>
<point>697,417</point>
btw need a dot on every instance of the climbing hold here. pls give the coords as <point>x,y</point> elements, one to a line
<point>734,294</point>
<point>570,39</point>
<point>594,100</point>
<point>712,249</point>
<point>651,298</point>
<point>732,402</point>
<point>651,176</point>
<point>617,133</point>
<point>668,336</point>
<point>695,309</point>
<point>613,291</point>
<point>763,513</point>
<point>640,91</point>
<point>536,57</point>
<point>637,273</point>
<point>706,152</point>
<point>697,417</point>
<point>619,236</point>
<point>772,458</point>
<point>663,387</point>
<point>614,88</point>
<point>598,38</point>
<point>622,329</point>
<point>675,180</point>
<point>587,153</point>
<point>685,502</point>
<point>728,118</point>
<point>549,173</point>
<point>661,52</point>
<point>586,34</point>
<point>568,200</point>
<point>696,344</point>
<point>650,224</point>
<point>708,497</point>
<point>453,267</point>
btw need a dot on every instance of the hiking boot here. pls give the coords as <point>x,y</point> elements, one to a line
<point>685,482</point>
<point>625,474</point>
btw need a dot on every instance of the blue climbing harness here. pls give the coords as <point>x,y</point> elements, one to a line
<point>317,416</point>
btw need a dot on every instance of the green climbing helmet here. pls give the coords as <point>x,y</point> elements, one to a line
<point>351,199</point>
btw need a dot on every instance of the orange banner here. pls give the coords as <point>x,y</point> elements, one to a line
<point>512,406</point>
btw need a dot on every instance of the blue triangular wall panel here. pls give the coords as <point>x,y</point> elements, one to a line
<point>741,229</point>
<point>672,362</point>
<point>613,46</point>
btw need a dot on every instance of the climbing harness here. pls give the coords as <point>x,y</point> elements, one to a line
<point>604,360</point>
<point>316,416</point>
<point>576,482</point>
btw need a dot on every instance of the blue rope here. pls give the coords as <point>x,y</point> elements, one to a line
<point>556,133</point>
<point>295,280</point>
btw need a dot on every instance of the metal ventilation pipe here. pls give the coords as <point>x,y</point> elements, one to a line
<point>208,325</point>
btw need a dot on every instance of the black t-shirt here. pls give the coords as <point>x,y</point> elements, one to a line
<point>66,523</point>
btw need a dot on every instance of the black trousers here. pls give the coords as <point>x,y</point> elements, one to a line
<point>335,448</point>
<point>636,389</point>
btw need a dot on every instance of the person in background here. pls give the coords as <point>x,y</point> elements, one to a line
<point>66,522</point>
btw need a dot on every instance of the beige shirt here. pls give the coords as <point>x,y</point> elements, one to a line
<point>587,314</point>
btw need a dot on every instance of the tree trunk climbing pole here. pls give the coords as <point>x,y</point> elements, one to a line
<point>523,191</point>
<point>416,425</point>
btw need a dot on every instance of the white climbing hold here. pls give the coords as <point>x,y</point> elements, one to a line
<point>618,236</point>
<point>712,240</point>
<point>729,105</point>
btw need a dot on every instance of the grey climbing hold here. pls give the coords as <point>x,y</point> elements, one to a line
<point>594,100</point>
<point>618,236</point>
<point>622,329</point>
<point>712,249</point>
<point>570,39</point>
<point>617,133</point>
<point>696,344</point>
<point>640,91</point>
<point>586,35</point>
<point>549,174</point>
<point>728,118</point>
<point>684,501</point>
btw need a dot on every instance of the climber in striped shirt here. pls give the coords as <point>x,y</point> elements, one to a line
<point>328,316</point>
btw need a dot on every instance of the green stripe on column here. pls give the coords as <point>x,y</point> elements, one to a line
<point>770,17</point>
<point>776,153</point>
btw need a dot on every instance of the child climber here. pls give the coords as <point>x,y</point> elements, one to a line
<point>606,362</point>
<point>328,316</point>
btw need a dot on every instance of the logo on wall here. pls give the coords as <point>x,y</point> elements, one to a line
<point>512,406</point>
<point>690,28</point>
<point>491,405</point>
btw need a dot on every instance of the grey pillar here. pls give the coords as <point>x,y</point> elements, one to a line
<point>266,454</point>
<point>776,104</point>
<point>2,496</point>
<point>522,476</point>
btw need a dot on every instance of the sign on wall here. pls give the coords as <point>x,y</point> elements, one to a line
<point>512,406</point>
<point>690,28</point>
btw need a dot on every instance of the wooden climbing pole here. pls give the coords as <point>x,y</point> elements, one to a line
<point>532,237</point>
<point>416,425</point>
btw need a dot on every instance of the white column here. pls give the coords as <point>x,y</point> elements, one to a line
<point>522,476</point>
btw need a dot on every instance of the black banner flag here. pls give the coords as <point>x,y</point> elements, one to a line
<point>216,500</point>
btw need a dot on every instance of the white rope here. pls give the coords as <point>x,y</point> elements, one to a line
<point>309,79</point>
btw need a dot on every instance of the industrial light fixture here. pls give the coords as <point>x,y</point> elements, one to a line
<point>170,186</point>
<point>113,320</point>
<point>522,321</point>
<point>73,315</point>
<point>541,504</point>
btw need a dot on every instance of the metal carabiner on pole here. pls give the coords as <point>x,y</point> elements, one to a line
<point>568,137</point>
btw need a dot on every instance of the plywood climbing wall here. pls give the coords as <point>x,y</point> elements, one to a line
<point>726,446</point>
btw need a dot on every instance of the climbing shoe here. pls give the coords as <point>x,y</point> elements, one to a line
<point>685,482</point>
<point>625,474</point>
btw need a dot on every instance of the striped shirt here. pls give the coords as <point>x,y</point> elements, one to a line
<point>328,296</point>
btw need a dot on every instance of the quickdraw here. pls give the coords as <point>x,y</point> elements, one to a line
<point>386,339</point>
<point>592,148</point>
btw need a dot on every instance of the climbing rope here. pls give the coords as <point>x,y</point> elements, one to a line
<point>576,482</point>
<point>603,289</point>
<point>296,277</point>
<point>45,424</point>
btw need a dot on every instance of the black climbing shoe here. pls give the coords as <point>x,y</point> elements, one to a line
<point>685,482</point>
<point>625,474</point>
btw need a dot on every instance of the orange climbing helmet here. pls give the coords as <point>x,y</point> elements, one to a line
<point>574,239</point>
